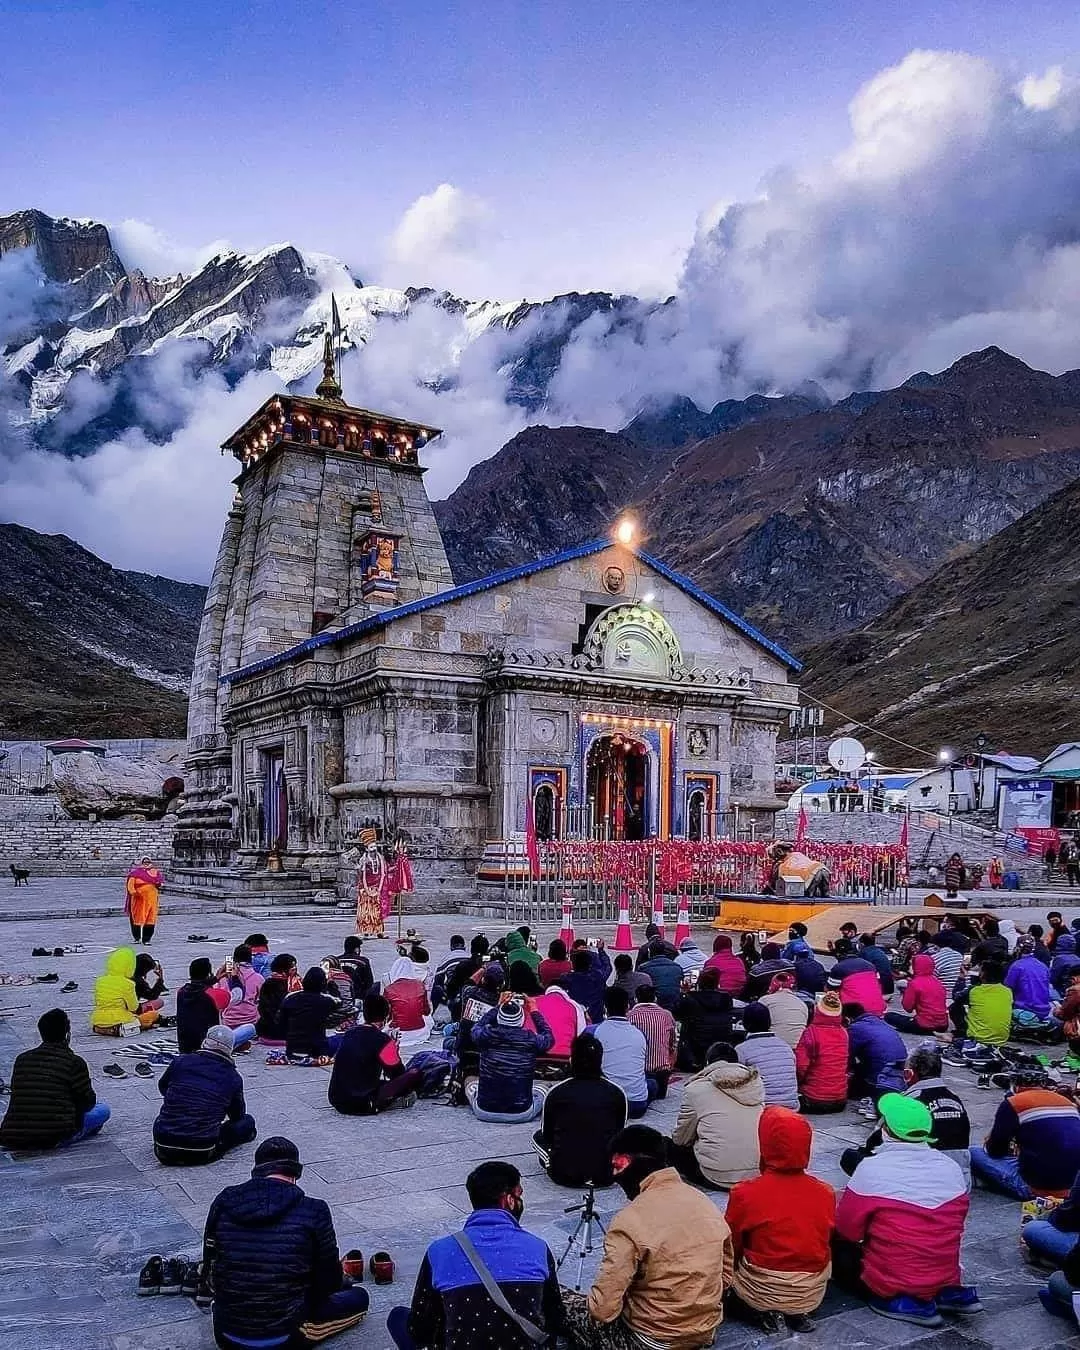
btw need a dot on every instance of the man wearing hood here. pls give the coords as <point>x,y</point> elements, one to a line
<point>781,1225</point>
<point>667,1259</point>
<point>273,1257</point>
<point>856,979</point>
<point>518,949</point>
<point>821,1059</point>
<point>203,1113</point>
<point>729,968</point>
<point>690,956</point>
<point>706,1016</point>
<point>923,1001</point>
<point>715,1138</point>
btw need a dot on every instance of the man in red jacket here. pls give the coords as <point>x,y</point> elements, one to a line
<point>900,1223</point>
<point>821,1059</point>
<point>781,1223</point>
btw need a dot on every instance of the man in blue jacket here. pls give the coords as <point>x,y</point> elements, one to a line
<point>509,1039</point>
<point>203,1114</point>
<point>876,1055</point>
<point>588,979</point>
<point>273,1259</point>
<point>666,975</point>
<point>451,1309</point>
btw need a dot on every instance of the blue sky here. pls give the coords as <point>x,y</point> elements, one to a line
<point>585,139</point>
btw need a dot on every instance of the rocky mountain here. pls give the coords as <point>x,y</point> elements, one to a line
<point>989,643</point>
<point>810,523</point>
<point>87,650</point>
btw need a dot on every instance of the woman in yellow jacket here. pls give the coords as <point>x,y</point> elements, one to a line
<point>116,1004</point>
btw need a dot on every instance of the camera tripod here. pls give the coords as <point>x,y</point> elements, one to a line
<point>583,1233</point>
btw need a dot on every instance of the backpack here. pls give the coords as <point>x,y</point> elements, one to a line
<point>436,1068</point>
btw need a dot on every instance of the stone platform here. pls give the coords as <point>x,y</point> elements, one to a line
<point>80,1222</point>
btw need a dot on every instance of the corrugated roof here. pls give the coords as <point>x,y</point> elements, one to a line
<point>388,616</point>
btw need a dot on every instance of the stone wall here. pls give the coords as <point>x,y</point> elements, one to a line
<point>53,846</point>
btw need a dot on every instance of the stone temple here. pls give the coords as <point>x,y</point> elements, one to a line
<point>342,680</point>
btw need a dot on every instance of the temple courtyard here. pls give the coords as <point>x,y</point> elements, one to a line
<point>80,1222</point>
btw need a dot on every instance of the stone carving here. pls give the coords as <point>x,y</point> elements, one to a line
<point>697,741</point>
<point>613,580</point>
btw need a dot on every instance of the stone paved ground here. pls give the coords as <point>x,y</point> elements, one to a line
<point>80,1222</point>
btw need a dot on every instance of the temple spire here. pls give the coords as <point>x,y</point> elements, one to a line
<point>329,386</point>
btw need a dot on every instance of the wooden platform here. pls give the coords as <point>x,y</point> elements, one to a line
<point>824,927</point>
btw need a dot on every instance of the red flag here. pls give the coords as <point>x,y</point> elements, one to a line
<point>532,849</point>
<point>801,827</point>
<point>904,836</point>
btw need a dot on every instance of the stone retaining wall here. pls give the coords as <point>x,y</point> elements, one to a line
<point>65,847</point>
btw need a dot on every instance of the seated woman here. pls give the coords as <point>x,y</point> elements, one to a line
<point>149,983</point>
<point>116,1010</point>
<point>410,1007</point>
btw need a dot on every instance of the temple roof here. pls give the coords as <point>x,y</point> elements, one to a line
<point>373,622</point>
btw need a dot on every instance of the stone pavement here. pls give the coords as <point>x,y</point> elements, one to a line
<point>81,1221</point>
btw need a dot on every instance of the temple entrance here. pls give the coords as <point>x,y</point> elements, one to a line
<point>616,780</point>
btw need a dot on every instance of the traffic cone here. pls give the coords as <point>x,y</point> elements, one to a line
<point>624,938</point>
<point>682,923</point>
<point>566,932</point>
<point>658,912</point>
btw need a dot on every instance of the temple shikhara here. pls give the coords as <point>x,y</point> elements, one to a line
<point>343,683</point>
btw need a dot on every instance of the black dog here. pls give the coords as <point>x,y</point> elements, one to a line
<point>21,875</point>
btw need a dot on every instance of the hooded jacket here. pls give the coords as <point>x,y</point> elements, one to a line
<point>517,949</point>
<point>731,970</point>
<point>507,1060</point>
<point>200,1091</point>
<point>719,1116</point>
<point>781,1221</point>
<point>906,1206</point>
<point>821,1059</point>
<point>1065,963</point>
<point>774,1059</point>
<point>1029,981</point>
<point>924,996</point>
<point>587,986</point>
<point>274,1255</point>
<point>115,999</point>
<point>877,1052</point>
<point>50,1093</point>
<point>859,983</point>
<point>811,976</point>
<point>246,982</point>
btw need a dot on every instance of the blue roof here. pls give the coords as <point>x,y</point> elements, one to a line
<point>374,622</point>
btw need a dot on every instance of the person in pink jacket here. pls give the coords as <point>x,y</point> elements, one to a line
<point>856,979</point>
<point>923,1001</point>
<point>731,970</point>
<point>565,1018</point>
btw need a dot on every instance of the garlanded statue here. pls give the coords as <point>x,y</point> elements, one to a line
<point>784,863</point>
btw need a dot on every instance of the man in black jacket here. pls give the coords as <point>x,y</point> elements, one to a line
<point>198,1006</point>
<point>581,1117</point>
<point>51,1101</point>
<point>358,967</point>
<point>707,1015</point>
<point>368,1074</point>
<point>273,1257</point>
<point>203,1114</point>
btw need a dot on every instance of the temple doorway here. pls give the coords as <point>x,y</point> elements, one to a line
<point>617,786</point>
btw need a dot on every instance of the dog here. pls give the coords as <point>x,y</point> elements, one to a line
<point>21,875</point>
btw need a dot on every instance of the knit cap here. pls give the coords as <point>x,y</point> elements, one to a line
<point>829,1003</point>
<point>511,1013</point>
<point>219,1041</point>
<point>906,1118</point>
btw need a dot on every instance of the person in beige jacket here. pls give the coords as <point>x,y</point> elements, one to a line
<point>667,1263</point>
<point>715,1139</point>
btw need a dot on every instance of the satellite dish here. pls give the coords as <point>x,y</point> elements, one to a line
<point>847,754</point>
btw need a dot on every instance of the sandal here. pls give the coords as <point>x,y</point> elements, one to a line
<point>382,1268</point>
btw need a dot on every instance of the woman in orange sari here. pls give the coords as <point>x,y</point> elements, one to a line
<point>141,906</point>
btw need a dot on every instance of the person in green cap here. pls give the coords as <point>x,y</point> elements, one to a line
<point>900,1223</point>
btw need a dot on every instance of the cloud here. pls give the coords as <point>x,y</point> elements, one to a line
<point>440,238</point>
<point>155,254</point>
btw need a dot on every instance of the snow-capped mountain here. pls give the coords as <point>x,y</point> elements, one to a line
<point>78,311</point>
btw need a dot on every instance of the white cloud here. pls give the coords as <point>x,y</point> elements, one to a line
<point>1042,91</point>
<point>155,254</point>
<point>440,238</point>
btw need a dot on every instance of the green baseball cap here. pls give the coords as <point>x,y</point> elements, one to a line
<point>906,1118</point>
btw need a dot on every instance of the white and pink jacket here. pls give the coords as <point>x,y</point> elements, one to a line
<point>906,1205</point>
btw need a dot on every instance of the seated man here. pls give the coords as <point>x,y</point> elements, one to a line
<point>625,1051</point>
<point>458,953</point>
<point>857,980</point>
<point>358,967</point>
<point>781,1224</point>
<point>556,964</point>
<point>242,982</point>
<point>715,1139</point>
<point>706,1016</point>
<point>626,977</point>
<point>368,1075</point>
<point>667,1259</point>
<point>451,1307</point>
<point>730,969</point>
<point>653,943</point>
<point>877,1054</point>
<point>270,1027</point>
<point>879,959</point>
<point>773,1058</point>
<point>588,979</point>
<point>1029,981</point>
<point>504,1090</point>
<point>581,1117</point>
<point>665,973</point>
<point>1033,1147</point>
<point>789,1012</point>
<point>305,1017</point>
<point>1053,1239</point>
<point>811,977</point>
<point>565,1018</point>
<point>203,1114</point>
<point>821,1059</point>
<point>951,1133</point>
<point>273,1259</point>
<point>657,1025</point>
<point>981,1012</point>
<point>199,1004</point>
<point>900,1223</point>
<point>51,1101</point>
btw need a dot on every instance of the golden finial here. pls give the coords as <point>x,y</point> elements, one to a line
<point>328,387</point>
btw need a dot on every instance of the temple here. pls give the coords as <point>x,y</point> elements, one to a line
<point>342,681</point>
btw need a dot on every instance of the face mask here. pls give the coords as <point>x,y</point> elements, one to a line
<point>631,1177</point>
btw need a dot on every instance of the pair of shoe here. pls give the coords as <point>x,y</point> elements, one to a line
<point>175,1275</point>
<point>962,1299</point>
<point>403,1103</point>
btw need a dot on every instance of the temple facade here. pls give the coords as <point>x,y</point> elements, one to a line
<point>342,680</point>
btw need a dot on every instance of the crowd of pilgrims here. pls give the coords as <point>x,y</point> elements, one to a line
<point>758,1041</point>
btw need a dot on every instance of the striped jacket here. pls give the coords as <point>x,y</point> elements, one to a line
<point>906,1206</point>
<point>1045,1128</point>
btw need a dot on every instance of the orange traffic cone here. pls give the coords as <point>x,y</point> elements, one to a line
<point>566,932</point>
<point>682,923</point>
<point>658,912</point>
<point>624,938</point>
